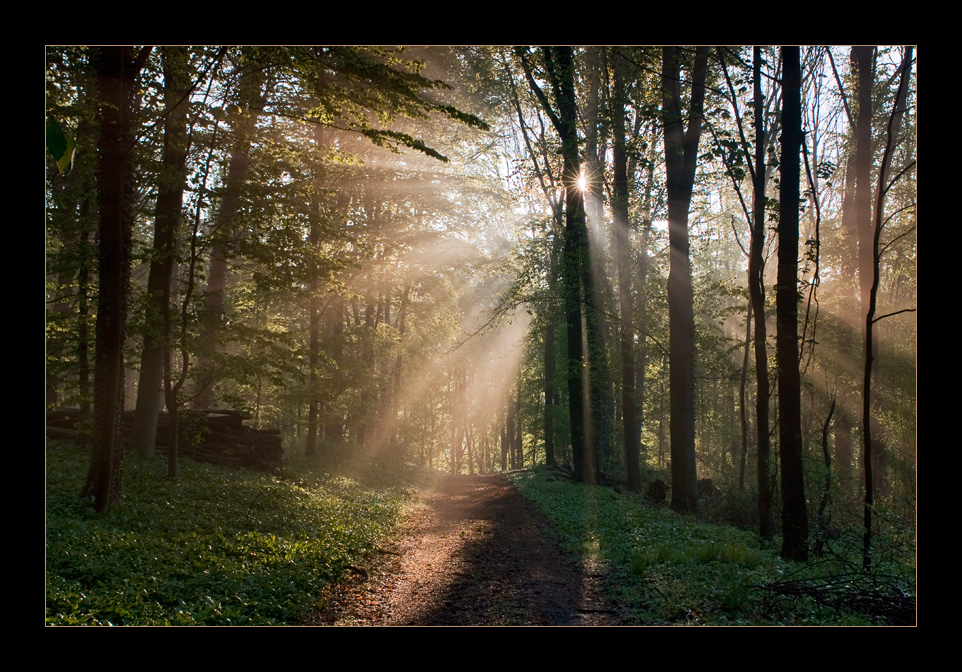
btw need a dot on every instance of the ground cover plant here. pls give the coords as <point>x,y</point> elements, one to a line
<point>663,568</point>
<point>218,546</point>
<point>224,546</point>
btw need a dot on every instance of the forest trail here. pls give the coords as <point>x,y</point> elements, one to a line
<point>472,554</point>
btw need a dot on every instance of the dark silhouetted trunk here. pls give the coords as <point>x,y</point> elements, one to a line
<point>756,290</point>
<point>794,507</point>
<point>681,153</point>
<point>116,74</point>
<point>619,205</point>
<point>575,264</point>
<point>868,422</point>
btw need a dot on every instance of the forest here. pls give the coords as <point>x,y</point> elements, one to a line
<point>687,273</point>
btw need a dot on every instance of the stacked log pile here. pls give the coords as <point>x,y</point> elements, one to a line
<point>214,436</point>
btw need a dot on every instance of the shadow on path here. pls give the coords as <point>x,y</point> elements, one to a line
<point>483,560</point>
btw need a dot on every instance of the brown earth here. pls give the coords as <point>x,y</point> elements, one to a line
<point>473,554</point>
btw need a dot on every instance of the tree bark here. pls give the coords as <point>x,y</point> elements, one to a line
<point>681,150</point>
<point>314,304</point>
<point>619,206</point>
<point>794,507</point>
<point>895,120</point>
<point>167,219</point>
<point>116,75</point>
<point>597,287</point>
<point>756,290</point>
<point>559,66</point>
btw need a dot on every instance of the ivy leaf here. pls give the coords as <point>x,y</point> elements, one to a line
<point>60,145</point>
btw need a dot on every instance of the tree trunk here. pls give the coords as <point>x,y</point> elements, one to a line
<point>742,401</point>
<point>170,195</point>
<point>619,206</point>
<point>314,306</point>
<point>756,290</point>
<point>894,124</point>
<point>681,150</point>
<point>252,101</point>
<point>334,417</point>
<point>576,267</point>
<point>116,74</point>
<point>597,287</point>
<point>794,507</point>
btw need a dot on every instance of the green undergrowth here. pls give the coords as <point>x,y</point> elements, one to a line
<point>662,568</point>
<point>218,546</point>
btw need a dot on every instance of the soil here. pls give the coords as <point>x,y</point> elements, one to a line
<point>475,553</point>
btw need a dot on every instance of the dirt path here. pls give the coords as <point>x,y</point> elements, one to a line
<point>474,554</point>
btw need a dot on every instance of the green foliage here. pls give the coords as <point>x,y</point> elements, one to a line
<point>216,547</point>
<point>665,569</point>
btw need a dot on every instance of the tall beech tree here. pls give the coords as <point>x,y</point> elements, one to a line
<point>682,133</point>
<point>756,291</point>
<point>794,507</point>
<point>251,97</point>
<point>539,153</point>
<point>619,205</point>
<point>172,182</point>
<point>116,71</point>
<point>559,68</point>
<point>884,185</point>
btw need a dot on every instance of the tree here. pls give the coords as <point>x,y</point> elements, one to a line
<point>167,219</point>
<point>884,185</point>
<point>756,288</point>
<point>360,90</point>
<point>598,290</point>
<point>681,150</point>
<point>576,268</point>
<point>116,69</point>
<point>252,92</point>
<point>631,424</point>
<point>794,507</point>
<point>539,152</point>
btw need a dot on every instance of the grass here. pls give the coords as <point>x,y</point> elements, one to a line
<point>219,546</point>
<point>225,546</point>
<point>662,568</point>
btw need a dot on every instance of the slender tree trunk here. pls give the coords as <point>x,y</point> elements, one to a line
<point>333,416</point>
<point>892,132</point>
<point>314,319</point>
<point>398,366</point>
<point>314,306</point>
<point>83,311</point>
<point>743,401</point>
<point>794,506</point>
<point>756,289</point>
<point>167,219</point>
<point>519,430</point>
<point>559,66</point>
<point>681,149</point>
<point>506,423</point>
<point>550,388</point>
<point>597,288</point>
<point>622,227</point>
<point>253,99</point>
